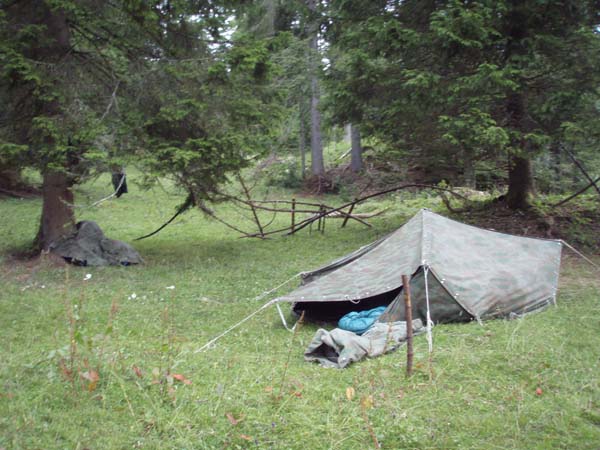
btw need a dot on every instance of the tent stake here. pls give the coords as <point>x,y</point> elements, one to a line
<point>409,329</point>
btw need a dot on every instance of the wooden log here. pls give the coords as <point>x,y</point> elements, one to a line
<point>409,330</point>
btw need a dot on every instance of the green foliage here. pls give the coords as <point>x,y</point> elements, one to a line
<point>91,85</point>
<point>467,82</point>
<point>284,174</point>
<point>204,119</point>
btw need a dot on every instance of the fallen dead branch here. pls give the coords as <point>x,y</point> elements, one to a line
<point>317,215</point>
<point>579,192</point>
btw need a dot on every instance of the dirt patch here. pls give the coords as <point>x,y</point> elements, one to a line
<point>574,224</point>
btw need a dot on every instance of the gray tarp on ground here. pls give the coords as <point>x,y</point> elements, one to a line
<point>88,246</point>
<point>489,274</point>
<point>338,348</point>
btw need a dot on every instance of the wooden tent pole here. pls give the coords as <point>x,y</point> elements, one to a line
<point>409,329</point>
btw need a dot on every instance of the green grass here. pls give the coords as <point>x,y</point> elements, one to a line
<point>482,395</point>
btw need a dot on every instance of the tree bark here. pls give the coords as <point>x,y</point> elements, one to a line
<point>58,219</point>
<point>356,162</point>
<point>469,169</point>
<point>316,145</point>
<point>302,145</point>
<point>520,183</point>
<point>520,174</point>
<point>348,133</point>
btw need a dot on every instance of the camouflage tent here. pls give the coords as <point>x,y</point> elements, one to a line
<point>459,273</point>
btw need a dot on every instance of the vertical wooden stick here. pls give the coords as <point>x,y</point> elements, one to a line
<point>293,214</point>
<point>320,219</point>
<point>348,215</point>
<point>409,330</point>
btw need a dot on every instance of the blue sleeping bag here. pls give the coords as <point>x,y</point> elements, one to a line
<point>360,321</point>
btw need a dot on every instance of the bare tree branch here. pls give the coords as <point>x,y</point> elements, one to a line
<point>579,192</point>
<point>580,166</point>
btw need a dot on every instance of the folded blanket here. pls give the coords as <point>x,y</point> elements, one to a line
<point>359,321</point>
<point>338,348</point>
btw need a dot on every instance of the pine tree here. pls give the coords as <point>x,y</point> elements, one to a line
<point>89,83</point>
<point>463,81</point>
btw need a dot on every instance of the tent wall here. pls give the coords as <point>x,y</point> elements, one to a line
<point>443,308</point>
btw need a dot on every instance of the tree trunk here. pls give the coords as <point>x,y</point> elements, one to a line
<point>316,146</point>
<point>520,183</point>
<point>302,145</point>
<point>520,174</point>
<point>469,169</point>
<point>58,218</point>
<point>348,133</point>
<point>356,162</point>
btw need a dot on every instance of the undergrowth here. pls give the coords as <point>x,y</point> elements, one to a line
<point>105,358</point>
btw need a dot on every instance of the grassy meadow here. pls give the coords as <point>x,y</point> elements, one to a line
<point>105,358</point>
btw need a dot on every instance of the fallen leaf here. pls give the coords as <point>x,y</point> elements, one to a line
<point>269,389</point>
<point>350,393</point>
<point>232,420</point>
<point>67,373</point>
<point>90,375</point>
<point>137,371</point>
<point>246,437</point>
<point>367,402</point>
<point>181,378</point>
<point>93,378</point>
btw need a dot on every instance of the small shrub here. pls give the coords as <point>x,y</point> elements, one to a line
<point>284,173</point>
